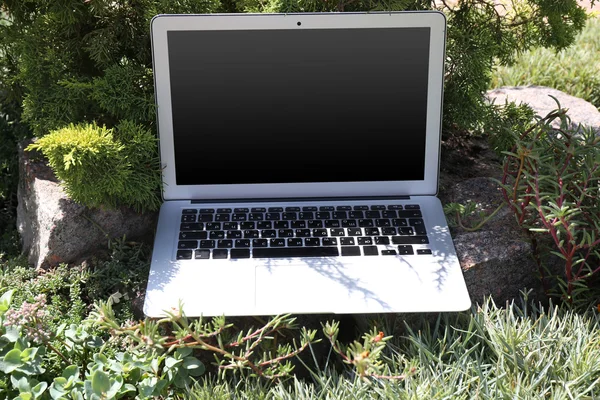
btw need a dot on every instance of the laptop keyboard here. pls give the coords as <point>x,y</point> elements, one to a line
<point>283,232</point>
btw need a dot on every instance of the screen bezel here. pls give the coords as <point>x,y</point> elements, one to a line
<point>161,24</point>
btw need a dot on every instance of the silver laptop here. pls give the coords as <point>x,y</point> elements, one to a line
<point>300,156</point>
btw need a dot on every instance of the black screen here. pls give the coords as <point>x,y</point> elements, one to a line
<point>330,105</point>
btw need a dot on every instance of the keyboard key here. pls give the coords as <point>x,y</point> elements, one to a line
<point>415,221</point>
<point>281,224</point>
<point>302,232</point>
<point>389,214</point>
<point>338,232</point>
<point>230,226</point>
<point>365,241</point>
<point>309,208</point>
<point>383,222</point>
<point>268,233</point>
<point>285,233</point>
<point>240,210</point>
<point>412,207</point>
<point>323,215</point>
<point>354,232</point>
<point>217,235</point>
<point>260,242</point>
<point>306,215</point>
<point>423,251</point>
<point>406,231</point>
<point>326,208</point>
<point>188,218</point>
<point>277,242</point>
<point>187,244</point>
<point>295,242</point>
<point>347,241</point>
<point>207,244</point>
<point>399,222</point>
<point>361,208</point>
<point>242,243</point>
<point>356,214</point>
<point>395,207</point>
<point>372,231</point>
<point>222,217</point>
<point>295,209</point>
<point>184,254</point>
<point>312,242</point>
<point>372,214</point>
<point>191,227</point>
<point>405,250</point>
<point>332,223</point>
<point>328,241</point>
<point>319,232</point>
<point>250,234</point>
<point>202,254</point>
<point>190,211</point>
<point>410,240</point>
<point>409,214</point>
<point>289,216</point>
<point>285,252</point>
<point>382,240</point>
<point>220,254</point>
<point>339,215</point>
<point>315,223</point>
<point>378,207</point>
<point>349,223</point>
<point>207,211</point>
<point>366,223</point>
<point>256,217</point>
<point>370,250</point>
<point>275,209</point>
<point>213,226</point>
<point>298,224</point>
<point>223,210</point>
<point>420,230</point>
<point>258,210</point>
<point>272,216</point>
<point>264,225</point>
<point>343,208</point>
<point>192,235</point>
<point>205,218</point>
<point>389,253</point>
<point>239,253</point>
<point>351,251</point>
<point>239,217</point>
<point>224,244</point>
<point>234,234</point>
<point>247,225</point>
<point>388,231</point>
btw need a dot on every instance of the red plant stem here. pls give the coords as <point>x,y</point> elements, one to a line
<point>284,357</point>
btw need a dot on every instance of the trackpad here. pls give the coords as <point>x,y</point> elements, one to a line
<point>322,288</point>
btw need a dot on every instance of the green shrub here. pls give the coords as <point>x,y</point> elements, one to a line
<point>573,70</point>
<point>105,167</point>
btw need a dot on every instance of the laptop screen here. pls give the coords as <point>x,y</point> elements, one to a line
<point>310,105</point>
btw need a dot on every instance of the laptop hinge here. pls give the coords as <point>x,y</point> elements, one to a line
<point>307,199</point>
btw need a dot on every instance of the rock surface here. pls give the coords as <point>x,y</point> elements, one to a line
<point>54,229</point>
<point>538,98</point>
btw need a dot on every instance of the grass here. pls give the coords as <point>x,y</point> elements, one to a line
<point>574,70</point>
<point>518,352</point>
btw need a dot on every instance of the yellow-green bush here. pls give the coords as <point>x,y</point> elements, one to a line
<point>105,167</point>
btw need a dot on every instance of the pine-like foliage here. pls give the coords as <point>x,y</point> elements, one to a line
<point>105,167</point>
<point>89,61</point>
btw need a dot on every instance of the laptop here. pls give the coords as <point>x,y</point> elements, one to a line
<point>300,157</point>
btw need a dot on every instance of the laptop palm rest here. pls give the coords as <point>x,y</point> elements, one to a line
<point>305,286</point>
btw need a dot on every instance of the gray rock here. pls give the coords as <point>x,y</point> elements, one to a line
<point>497,259</point>
<point>538,98</point>
<point>54,229</point>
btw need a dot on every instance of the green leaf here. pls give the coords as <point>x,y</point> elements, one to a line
<point>5,301</point>
<point>11,361</point>
<point>100,383</point>
<point>39,389</point>
<point>115,386</point>
<point>71,371</point>
<point>12,334</point>
<point>193,366</point>
<point>183,352</point>
<point>170,362</point>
